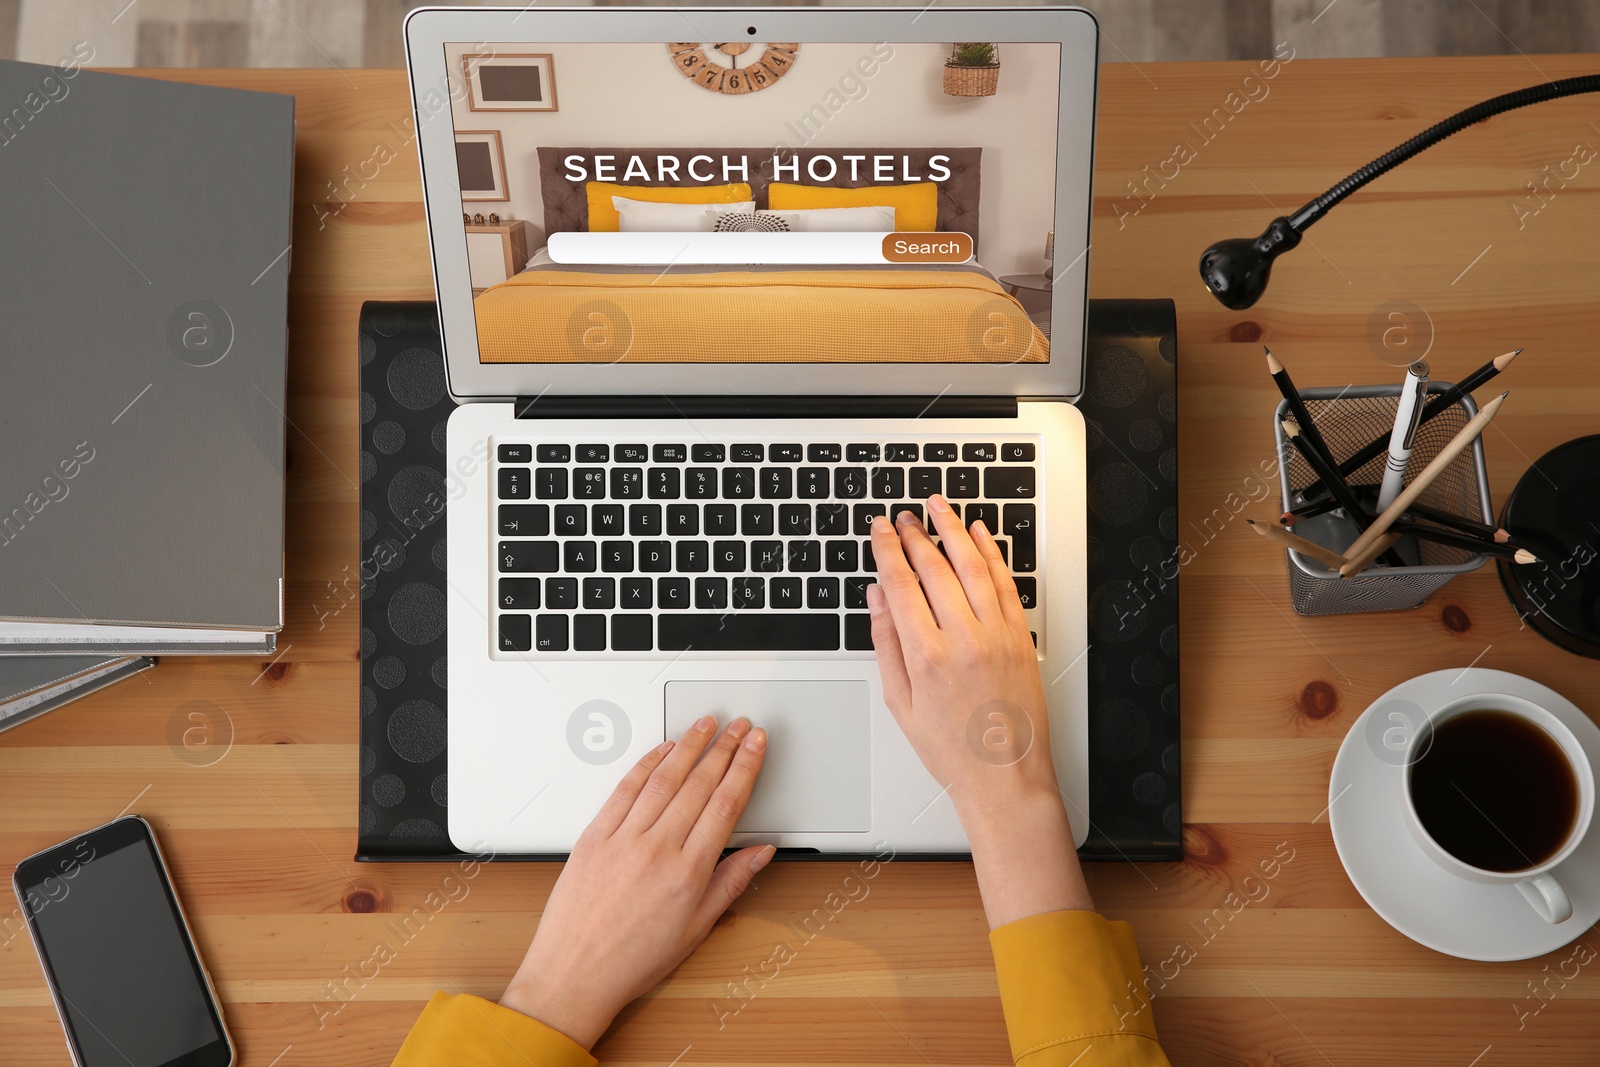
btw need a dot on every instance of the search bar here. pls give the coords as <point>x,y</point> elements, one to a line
<point>736,249</point>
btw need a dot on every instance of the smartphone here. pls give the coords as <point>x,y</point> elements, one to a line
<point>117,952</point>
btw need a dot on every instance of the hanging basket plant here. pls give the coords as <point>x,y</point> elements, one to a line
<point>973,69</point>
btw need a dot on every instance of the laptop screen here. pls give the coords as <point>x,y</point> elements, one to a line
<point>751,202</point>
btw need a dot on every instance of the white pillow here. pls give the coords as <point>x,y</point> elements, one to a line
<point>868,219</point>
<point>647,216</point>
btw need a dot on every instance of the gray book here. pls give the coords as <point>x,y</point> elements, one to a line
<point>144,299</point>
<point>33,685</point>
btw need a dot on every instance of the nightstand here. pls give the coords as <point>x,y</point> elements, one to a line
<point>495,251</point>
<point>1031,290</point>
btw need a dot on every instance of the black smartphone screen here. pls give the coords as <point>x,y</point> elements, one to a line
<point>112,940</point>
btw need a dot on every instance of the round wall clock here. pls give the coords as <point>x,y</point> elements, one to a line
<point>734,67</point>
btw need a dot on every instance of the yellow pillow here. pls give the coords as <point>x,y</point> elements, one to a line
<point>603,216</point>
<point>916,207</point>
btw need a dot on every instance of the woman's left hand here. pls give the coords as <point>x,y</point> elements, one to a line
<point>643,886</point>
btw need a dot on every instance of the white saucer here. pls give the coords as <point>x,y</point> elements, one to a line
<point>1402,884</point>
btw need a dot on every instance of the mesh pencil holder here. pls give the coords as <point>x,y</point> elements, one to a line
<point>1347,419</point>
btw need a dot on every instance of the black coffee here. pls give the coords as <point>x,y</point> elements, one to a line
<point>1495,791</point>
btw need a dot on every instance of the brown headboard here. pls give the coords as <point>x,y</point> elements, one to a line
<point>566,203</point>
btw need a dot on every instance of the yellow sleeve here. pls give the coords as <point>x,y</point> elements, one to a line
<point>1073,992</point>
<point>468,1031</point>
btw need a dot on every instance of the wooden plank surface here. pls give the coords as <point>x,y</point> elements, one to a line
<point>261,838</point>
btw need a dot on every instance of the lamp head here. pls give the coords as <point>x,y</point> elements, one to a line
<point>1236,270</point>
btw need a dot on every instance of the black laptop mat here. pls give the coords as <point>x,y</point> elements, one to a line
<point>1130,404</point>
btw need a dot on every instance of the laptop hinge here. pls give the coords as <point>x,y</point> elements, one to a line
<point>766,407</point>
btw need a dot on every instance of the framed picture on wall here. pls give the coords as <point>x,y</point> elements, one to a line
<point>525,82</point>
<point>481,165</point>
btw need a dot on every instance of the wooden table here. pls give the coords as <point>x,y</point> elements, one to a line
<point>261,839</point>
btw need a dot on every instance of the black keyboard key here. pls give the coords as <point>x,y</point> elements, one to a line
<point>572,520</point>
<point>655,556</point>
<point>616,557</point>
<point>855,593</point>
<point>858,633</point>
<point>515,453</point>
<point>594,453</point>
<point>632,633</point>
<point>749,593</point>
<point>738,483</point>
<point>1005,551</point>
<point>580,557</point>
<point>516,633</point>
<point>961,483</point>
<point>1008,483</point>
<point>550,483</point>
<point>766,556</point>
<point>669,454</point>
<point>606,520</point>
<point>888,483</point>
<point>627,483</point>
<point>672,593</point>
<point>914,508</point>
<point>988,514</point>
<point>554,453</point>
<point>943,453</point>
<point>707,453</point>
<point>533,557</point>
<point>551,635</point>
<point>785,453</point>
<point>1027,591</point>
<point>753,632</point>
<point>663,483</point>
<point>777,483</point>
<point>805,556</point>
<point>786,592</point>
<point>925,482</point>
<point>694,557</point>
<point>721,520</point>
<point>683,520</point>
<point>631,454</point>
<point>794,520</point>
<point>560,593</point>
<point>842,556</point>
<point>833,519</point>
<point>863,517</point>
<point>700,483</point>
<point>900,453</point>
<point>861,453</point>
<point>711,594</point>
<point>1017,452</point>
<point>822,453</point>
<point>1020,523</point>
<point>589,633</point>
<point>813,483</point>
<point>978,453</point>
<point>515,483</point>
<point>600,593</point>
<point>746,453</point>
<point>822,592</point>
<point>850,483</point>
<point>869,563</point>
<point>644,520</point>
<point>589,483</point>
<point>755,520</point>
<point>525,520</point>
<point>637,594</point>
<point>728,557</point>
<point>519,594</point>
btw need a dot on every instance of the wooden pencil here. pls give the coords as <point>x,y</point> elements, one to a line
<point>1297,406</point>
<point>1378,547</point>
<point>1457,539</point>
<point>1273,532</point>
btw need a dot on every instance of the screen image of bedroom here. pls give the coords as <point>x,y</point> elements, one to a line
<point>758,202</point>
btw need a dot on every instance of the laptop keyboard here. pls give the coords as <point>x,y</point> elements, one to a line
<point>663,548</point>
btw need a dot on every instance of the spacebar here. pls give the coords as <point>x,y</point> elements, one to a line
<point>738,632</point>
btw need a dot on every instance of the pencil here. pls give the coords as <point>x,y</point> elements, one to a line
<point>1273,532</point>
<point>1416,511</point>
<point>1358,563</point>
<point>1435,467</point>
<point>1297,406</point>
<point>1330,476</point>
<point>1456,539</point>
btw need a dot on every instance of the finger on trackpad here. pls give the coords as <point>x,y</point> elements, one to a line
<point>818,773</point>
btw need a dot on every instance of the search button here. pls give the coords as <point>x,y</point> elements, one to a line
<point>945,247</point>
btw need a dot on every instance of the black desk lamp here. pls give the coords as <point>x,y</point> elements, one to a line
<point>1236,270</point>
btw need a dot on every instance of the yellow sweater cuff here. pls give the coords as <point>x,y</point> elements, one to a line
<point>1071,979</point>
<point>468,1031</point>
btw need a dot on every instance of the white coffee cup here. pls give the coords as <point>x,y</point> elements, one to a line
<point>1537,884</point>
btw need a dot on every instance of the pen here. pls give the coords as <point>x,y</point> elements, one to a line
<point>1407,417</point>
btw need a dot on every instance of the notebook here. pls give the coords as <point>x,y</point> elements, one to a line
<point>33,685</point>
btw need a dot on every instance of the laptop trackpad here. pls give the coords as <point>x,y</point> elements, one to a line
<point>818,774</point>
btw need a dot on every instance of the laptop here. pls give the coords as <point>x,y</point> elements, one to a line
<point>707,308</point>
